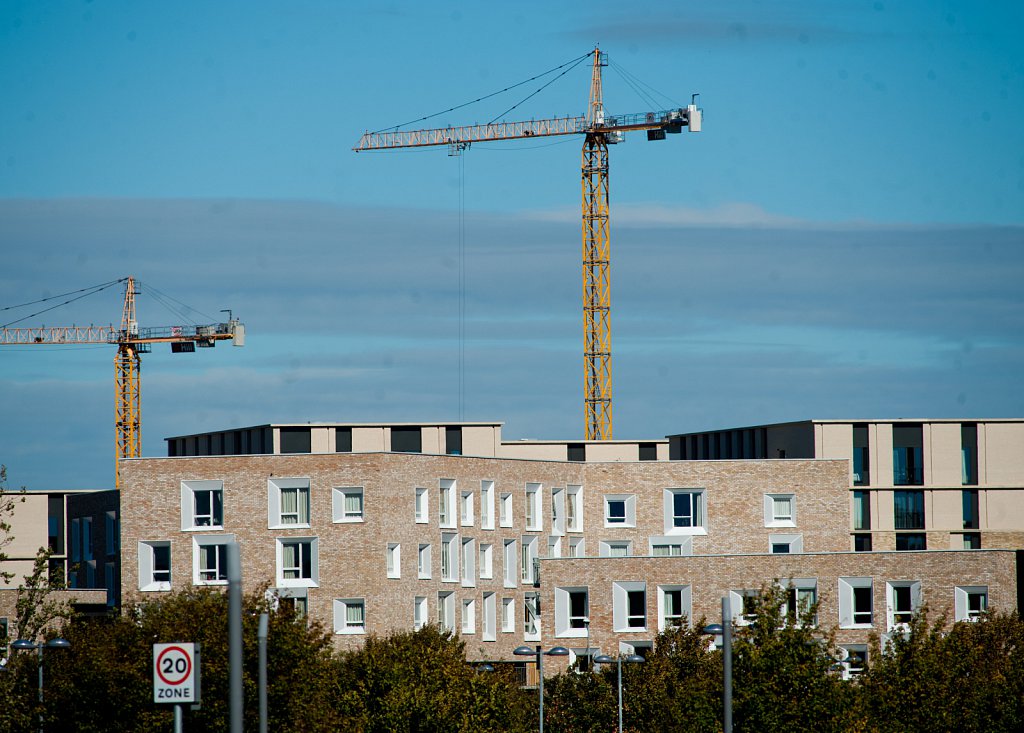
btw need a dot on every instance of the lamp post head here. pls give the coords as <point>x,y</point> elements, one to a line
<point>525,651</point>
<point>58,643</point>
<point>485,667</point>
<point>715,629</point>
<point>557,651</point>
<point>634,659</point>
<point>603,659</point>
<point>23,644</point>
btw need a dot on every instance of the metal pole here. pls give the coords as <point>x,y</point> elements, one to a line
<point>178,719</point>
<point>235,634</point>
<point>39,647</point>
<point>620,693</point>
<point>726,666</point>
<point>261,635</point>
<point>540,686</point>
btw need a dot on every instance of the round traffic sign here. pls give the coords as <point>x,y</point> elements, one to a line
<point>174,665</point>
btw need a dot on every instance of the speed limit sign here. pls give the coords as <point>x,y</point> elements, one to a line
<point>175,673</point>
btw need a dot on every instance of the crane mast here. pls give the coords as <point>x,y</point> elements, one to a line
<point>599,131</point>
<point>131,342</point>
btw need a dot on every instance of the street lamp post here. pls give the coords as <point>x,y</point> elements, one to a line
<point>628,659</point>
<point>27,645</point>
<point>538,654</point>
<point>725,630</point>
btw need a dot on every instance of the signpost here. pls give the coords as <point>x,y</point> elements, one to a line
<point>176,677</point>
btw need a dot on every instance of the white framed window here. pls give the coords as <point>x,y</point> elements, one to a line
<point>531,616</point>
<point>574,508</point>
<point>620,510</point>
<point>419,612</point>
<point>210,559</point>
<point>487,505</point>
<point>801,595</point>
<point>288,502</point>
<point>446,503</point>
<point>422,506</point>
<point>505,510</point>
<point>529,552</point>
<point>671,546</point>
<point>423,562</point>
<point>394,560</point>
<point>446,610</point>
<point>112,534</point>
<point>468,563</point>
<point>534,519</point>
<point>449,557</point>
<point>508,615</point>
<point>349,616</point>
<point>297,562</point>
<point>854,658</point>
<point>856,603</point>
<point>779,510</point>
<point>674,606</point>
<point>202,505</point>
<point>743,606</point>
<point>785,544</point>
<point>572,612</point>
<point>511,564</point>
<point>615,548</point>
<point>155,565</point>
<point>576,547</point>
<point>554,546</point>
<point>557,511</point>
<point>297,599</point>
<point>486,561</point>
<point>629,606</point>
<point>348,504</point>
<point>685,511</point>
<point>490,617</point>
<point>468,615</point>
<point>466,508</point>
<point>903,600</point>
<point>970,602</point>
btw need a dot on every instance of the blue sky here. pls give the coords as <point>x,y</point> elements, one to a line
<point>844,238</point>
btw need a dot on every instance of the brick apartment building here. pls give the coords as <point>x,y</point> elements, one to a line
<point>595,546</point>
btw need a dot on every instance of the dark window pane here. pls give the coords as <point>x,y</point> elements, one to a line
<point>908,509</point>
<point>970,507</point>
<point>648,451</point>
<point>861,456</point>
<point>406,440</point>
<point>577,452</point>
<point>969,454</point>
<point>907,455</point>
<point>911,541</point>
<point>295,440</point>
<point>343,440</point>
<point>862,543</point>
<point>453,441</point>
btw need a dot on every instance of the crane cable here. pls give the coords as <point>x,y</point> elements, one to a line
<point>462,288</point>
<point>574,62</point>
<point>85,292</point>
<point>542,88</point>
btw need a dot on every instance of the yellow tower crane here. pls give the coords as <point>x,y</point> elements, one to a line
<point>131,342</point>
<point>599,130</point>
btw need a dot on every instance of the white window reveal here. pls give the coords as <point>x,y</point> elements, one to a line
<point>674,606</point>
<point>349,616</point>
<point>856,603</point>
<point>490,617</point>
<point>210,559</point>
<point>785,544</point>
<point>446,611</point>
<point>508,615</point>
<point>576,547</point>
<point>903,600</point>
<point>779,510</point>
<point>155,565</point>
<point>684,511</point>
<point>297,562</point>
<point>394,560</point>
<point>288,502</point>
<point>534,522</point>
<point>487,505</point>
<point>629,606</point>
<point>574,508</point>
<point>202,504</point>
<point>422,507</point>
<point>348,504</point>
<point>671,546</point>
<point>511,564</point>
<point>572,612</point>
<point>531,616</point>
<point>466,509</point>
<point>506,510</point>
<point>486,561</point>
<point>419,612</point>
<point>423,562</point>
<point>446,503</point>
<point>468,563</point>
<point>468,616</point>
<point>449,557</point>
<point>528,567</point>
<point>970,602</point>
<point>620,510</point>
<point>615,548</point>
<point>557,511</point>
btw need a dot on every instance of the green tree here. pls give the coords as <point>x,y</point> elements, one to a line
<point>104,681</point>
<point>8,502</point>
<point>419,682</point>
<point>968,677</point>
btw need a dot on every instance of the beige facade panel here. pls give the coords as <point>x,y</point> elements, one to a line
<point>943,463</point>
<point>1004,510</point>
<point>1003,455</point>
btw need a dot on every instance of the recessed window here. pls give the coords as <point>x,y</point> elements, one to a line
<point>744,604</point>
<point>969,454</point>
<point>423,562</point>
<point>505,510</point>
<point>487,505</point>
<point>349,616</point>
<point>629,606</point>
<point>533,499</point>
<point>861,456</point>
<point>862,542</point>
<point>576,451</point>
<point>615,548</point>
<point>486,561</point>
<point>394,560</point>
<point>572,612</point>
<point>422,506</point>
<point>531,616</point>
<point>529,548</point>
<point>468,563</point>
<point>785,544</point>
<point>574,508</point>
<point>861,510</point>
<point>911,541</point>
<point>971,514</point>
<point>620,510</point>
<point>575,547</point>
<point>453,441</point>
<point>684,511</point>
<point>671,546</point>
<point>907,455</point>
<point>419,612</point>
<point>511,564</point>
<point>446,503</point>
<point>466,508</point>
<point>288,502</point>
<point>343,440</point>
<point>970,602</point>
<point>348,504</point>
<point>779,510</point>
<point>295,440</point>
<point>468,616</point>
<point>297,563</point>
<point>155,565</point>
<point>903,601</point>
<point>908,509</point>
<point>508,615</point>
<point>490,617</point>
<point>202,504</point>
<point>972,540</point>
<point>406,440</point>
<point>801,596</point>
<point>648,451</point>
<point>449,557</point>
<point>673,606</point>
<point>854,658</point>
<point>446,611</point>
<point>856,602</point>
<point>210,559</point>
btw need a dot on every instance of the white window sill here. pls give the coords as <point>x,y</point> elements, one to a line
<point>289,526</point>
<point>297,583</point>
<point>206,528</point>
<point>351,632</point>
<point>857,626</point>
<point>631,630</point>
<point>686,531</point>
<point>571,634</point>
<point>196,581</point>
<point>781,523</point>
<point>152,587</point>
<point>394,577</point>
<point>347,520</point>
<point>613,525</point>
